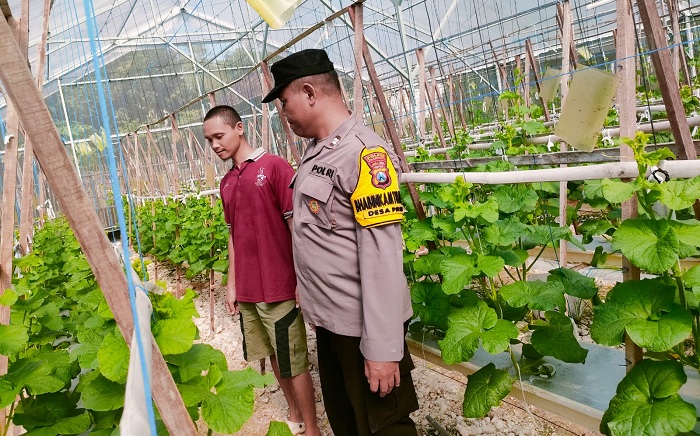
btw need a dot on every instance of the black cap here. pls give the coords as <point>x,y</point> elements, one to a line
<point>300,64</point>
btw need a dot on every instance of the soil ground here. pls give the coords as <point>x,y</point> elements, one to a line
<point>440,391</point>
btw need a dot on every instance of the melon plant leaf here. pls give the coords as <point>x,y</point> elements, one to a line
<point>537,295</point>
<point>197,360</point>
<point>616,191</point>
<point>419,232</point>
<point>504,233</point>
<point>70,425</point>
<point>430,304</point>
<point>445,225</point>
<point>42,373</point>
<point>8,392</point>
<point>278,429</point>
<point>688,233</point>
<point>692,277</point>
<point>551,234</point>
<point>680,194</point>
<point>174,336</point>
<point>113,357</point>
<point>574,283</point>
<point>651,245</point>
<point>555,337</point>
<point>491,266</point>
<point>8,298</point>
<point>647,402</point>
<point>595,227</point>
<point>487,211</point>
<point>12,339</point>
<point>514,198</point>
<point>515,257</point>
<point>593,193</point>
<point>645,310</point>
<point>232,405</point>
<point>485,389</point>
<point>469,324</point>
<point>457,272</point>
<point>428,264</point>
<point>102,394</point>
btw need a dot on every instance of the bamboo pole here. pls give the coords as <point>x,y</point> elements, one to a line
<point>77,207</point>
<point>422,88</point>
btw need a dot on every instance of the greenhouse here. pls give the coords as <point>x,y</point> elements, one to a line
<point>544,190</point>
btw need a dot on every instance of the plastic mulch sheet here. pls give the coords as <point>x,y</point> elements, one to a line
<point>586,106</point>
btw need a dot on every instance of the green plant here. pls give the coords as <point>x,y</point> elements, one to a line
<point>68,361</point>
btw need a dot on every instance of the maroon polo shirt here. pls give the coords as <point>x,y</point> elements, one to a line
<point>257,201</point>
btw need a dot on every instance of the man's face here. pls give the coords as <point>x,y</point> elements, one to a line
<point>222,138</point>
<point>296,107</point>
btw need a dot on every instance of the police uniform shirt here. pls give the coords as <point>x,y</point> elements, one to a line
<point>348,248</point>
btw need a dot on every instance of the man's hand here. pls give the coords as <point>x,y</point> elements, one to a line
<point>231,302</point>
<point>382,376</point>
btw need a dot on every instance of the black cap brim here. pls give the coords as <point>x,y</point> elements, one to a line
<point>275,92</point>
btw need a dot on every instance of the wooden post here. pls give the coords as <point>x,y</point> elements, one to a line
<point>437,127</point>
<point>389,126</point>
<point>626,100</point>
<point>536,71</point>
<point>526,82</point>
<point>572,48</point>
<point>679,63</point>
<point>283,119</point>
<point>656,38</point>
<point>563,186</point>
<point>438,101</point>
<point>173,143</point>
<point>357,23</point>
<point>422,87</point>
<point>7,227</point>
<point>77,207</point>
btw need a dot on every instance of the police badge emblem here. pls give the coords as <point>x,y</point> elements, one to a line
<point>377,162</point>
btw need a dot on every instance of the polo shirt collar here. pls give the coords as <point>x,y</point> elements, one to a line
<point>254,156</point>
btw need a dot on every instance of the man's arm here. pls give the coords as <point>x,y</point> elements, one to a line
<point>231,302</point>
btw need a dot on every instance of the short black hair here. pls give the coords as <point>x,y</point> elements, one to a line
<point>228,114</point>
<point>327,83</point>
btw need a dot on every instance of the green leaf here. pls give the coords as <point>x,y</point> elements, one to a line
<point>232,405</point>
<point>595,227</point>
<point>12,339</point>
<point>515,257</point>
<point>69,425</point>
<point>537,295</point>
<point>651,245</point>
<point>419,233</point>
<point>574,283</point>
<point>102,395</point>
<point>430,304</point>
<point>645,310</point>
<point>42,373</point>
<point>174,336</point>
<point>504,233</point>
<point>197,360</point>
<point>491,266</point>
<point>429,264</point>
<point>680,194</point>
<point>688,233</point>
<point>457,272</point>
<point>616,191</point>
<point>487,211</point>
<point>8,298</point>
<point>692,277</point>
<point>485,389</point>
<point>647,402</point>
<point>113,357</point>
<point>555,337</point>
<point>278,429</point>
<point>470,324</point>
<point>514,198</point>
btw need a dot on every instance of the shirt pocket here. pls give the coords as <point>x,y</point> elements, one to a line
<point>317,198</point>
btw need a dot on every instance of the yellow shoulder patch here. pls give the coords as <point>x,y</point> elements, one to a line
<point>376,200</point>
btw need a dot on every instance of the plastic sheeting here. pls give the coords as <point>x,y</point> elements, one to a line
<point>586,106</point>
<point>549,84</point>
<point>134,420</point>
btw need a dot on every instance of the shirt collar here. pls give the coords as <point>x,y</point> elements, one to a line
<point>252,157</point>
<point>334,138</point>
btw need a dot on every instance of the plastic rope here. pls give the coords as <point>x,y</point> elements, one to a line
<point>97,59</point>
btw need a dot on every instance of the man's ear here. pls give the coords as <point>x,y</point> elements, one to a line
<point>309,90</point>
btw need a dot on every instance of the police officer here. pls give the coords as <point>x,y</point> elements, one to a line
<point>348,253</point>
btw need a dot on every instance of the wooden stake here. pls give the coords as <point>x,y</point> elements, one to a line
<point>679,63</point>
<point>176,170</point>
<point>358,107</point>
<point>422,88</point>
<point>438,101</point>
<point>536,71</point>
<point>563,186</point>
<point>656,38</point>
<point>77,207</point>
<point>283,119</point>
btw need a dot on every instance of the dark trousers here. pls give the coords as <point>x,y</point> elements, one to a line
<point>352,408</point>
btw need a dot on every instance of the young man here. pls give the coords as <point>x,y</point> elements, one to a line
<point>261,286</point>
<point>348,253</point>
